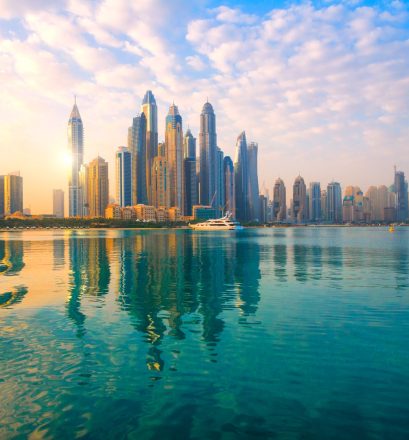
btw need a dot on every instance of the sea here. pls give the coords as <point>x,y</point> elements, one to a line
<point>265,333</point>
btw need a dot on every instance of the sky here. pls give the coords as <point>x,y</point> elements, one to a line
<point>322,86</point>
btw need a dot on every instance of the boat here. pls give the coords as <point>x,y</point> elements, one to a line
<point>391,228</point>
<point>226,223</point>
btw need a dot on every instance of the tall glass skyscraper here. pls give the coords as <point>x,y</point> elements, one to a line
<point>76,148</point>
<point>137,147</point>
<point>334,202</point>
<point>241,179</point>
<point>190,180</point>
<point>174,156</point>
<point>208,148</point>
<point>401,192</point>
<point>13,193</point>
<point>229,195</point>
<point>254,195</point>
<point>98,187</point>
<point>150,111</point>
<point>123,158</point>
<point>315,201</point>
<point>219,194</point>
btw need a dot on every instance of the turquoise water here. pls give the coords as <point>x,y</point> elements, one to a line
<point>288,333</point>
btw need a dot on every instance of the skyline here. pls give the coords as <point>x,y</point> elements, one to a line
<point>321,98</point>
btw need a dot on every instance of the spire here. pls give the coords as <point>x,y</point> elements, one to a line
<point>75,114</point>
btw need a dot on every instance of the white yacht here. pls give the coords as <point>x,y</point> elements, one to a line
<point>226,223</point>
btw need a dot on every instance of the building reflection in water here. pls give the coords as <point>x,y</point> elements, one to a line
<point>89,274</point>
<point>280,262</point>
<point>11,257</point>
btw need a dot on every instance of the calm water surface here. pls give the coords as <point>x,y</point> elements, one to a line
<point>285,333</point>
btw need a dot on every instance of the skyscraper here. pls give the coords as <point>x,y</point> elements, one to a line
<point>401,192</point>
<point>58,203</point>
<point>279,201</point>
<point>160,183</point>
<point>76,148</point>
<point>324,211</point>
<point>299,208</point>
<point>1,196</point>
<point>315,202</point>
<point>241,179</point>
<point>98,187</point>
<point>334,202</point>
<point>174,155</point>
<point>190,180</point>
<point>229,195</point>
<point>150,111</point>
<point>137,147</point>
<point>13,193</point>
<point>123,168</point>
<point>254,196</point>
<point>83,179</point>
<point>208,147</point>
<point>219,193</point>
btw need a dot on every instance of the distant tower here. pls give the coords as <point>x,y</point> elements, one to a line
<point>241,179</point>
<point>123,159</point>
<point>401,191</point>
<point>334,202</point>
<point>137,147</point>
<point>76,148</point>
<point>315,201</point>
<point>58,203</point>
<point>83,179</point>
<point>13,193</point>
<point>299,208</point>
<point>150,111</point>
<point>279,201</point>
<point>98,187</point>
<point>254,196</point>
<point>219,192</point>
<point>174,155</point>
<point>190,179</point>
<point>229,196</point>
<point>208,148</point>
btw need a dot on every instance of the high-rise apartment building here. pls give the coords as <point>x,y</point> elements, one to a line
<point>1,196</point>
<point>137,146</point>
<point>324,212</point>
<point>123,159</point>
<point>208,148</point>
<point>299,206</point>
<point>98,187</point>
<point>174,155</point>
<point>219,194</point>
<point>58,203</point>
<point>160,183</point>
<point>253,194</point>
<point>83,180</point>
<point>76,149</point>
<point>229,195</point>
<point>315,202</point>
<point>13,193</point>
<point>401,191</point>
<point>241,179</point>
<point>150,110</point>
<point>279,201</point>
<point>334,202</point>
<point>190,179</point>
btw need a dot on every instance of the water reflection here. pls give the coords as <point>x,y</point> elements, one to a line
<point>11,257</point>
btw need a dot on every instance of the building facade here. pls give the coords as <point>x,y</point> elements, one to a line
<point>13,193</point>
<point>137,146</point>
<point>241,178</point>
<point>98,187</point>
<point>315,202</point>
<point>123,168</point>
<point>160,183</point>
<point>174,155</point>
<point>253,192</point>
<point>401,191</point>
<point>76,149</point>
<point>58,203</point>
<point>229,195</point>
<point>208,148</point>
<point>279,207</point>
<point>299,206</point>
<point>334,203</point>
<point>190,177</point>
